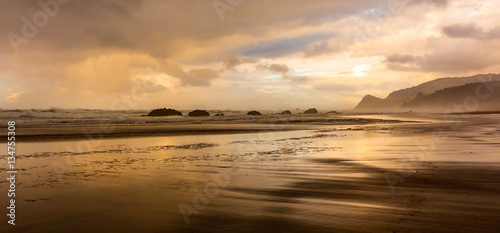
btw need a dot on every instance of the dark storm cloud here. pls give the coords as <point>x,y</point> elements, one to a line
<point>162,30</point>
<point>472,31</point>
<point>155,26</point>
<point>463,31</point>
<point>88,49</point>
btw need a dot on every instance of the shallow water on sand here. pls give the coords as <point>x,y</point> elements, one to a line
<point>372,178</point>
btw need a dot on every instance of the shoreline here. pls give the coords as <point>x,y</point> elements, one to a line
<point>71,132</point>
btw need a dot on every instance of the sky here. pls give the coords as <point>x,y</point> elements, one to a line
<point>236,54</point>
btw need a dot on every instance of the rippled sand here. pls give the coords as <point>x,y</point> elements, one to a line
<point>409,174</point>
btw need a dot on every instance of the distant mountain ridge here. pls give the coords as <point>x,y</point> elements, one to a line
<point>396,99</point>
<point>470,97</point>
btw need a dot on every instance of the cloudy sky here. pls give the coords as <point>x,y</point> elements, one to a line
<point>236,54</point>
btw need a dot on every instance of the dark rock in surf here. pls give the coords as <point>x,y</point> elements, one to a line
<point>254,113</point>
<point>164,112</point>
<point>311,111</point>
<point>199,113</point>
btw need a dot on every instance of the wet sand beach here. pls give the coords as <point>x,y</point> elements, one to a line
<point>416,174</point>
<point>222,116</point>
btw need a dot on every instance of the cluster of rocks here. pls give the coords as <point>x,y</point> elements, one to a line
<point>286,112</point>
<point>309,111</point>
<point>204,113</point>
<point>172,112</point>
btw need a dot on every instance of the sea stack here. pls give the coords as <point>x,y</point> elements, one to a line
<point>199,113</point>
<point>254,113</point>
<point>311,111</point>
<point>164,112</point>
